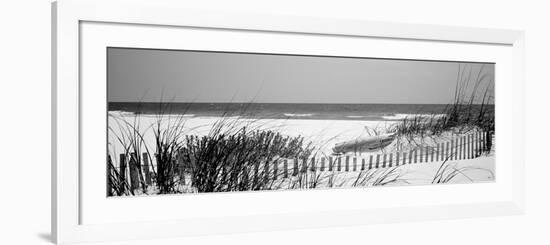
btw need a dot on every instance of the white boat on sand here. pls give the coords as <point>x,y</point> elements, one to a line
<point>364,144</point>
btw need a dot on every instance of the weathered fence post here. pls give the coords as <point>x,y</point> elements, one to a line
<point>377,160</point>
<point>467,147</point>
<point>443,151</point>
<point>485,141</point>
<point>145,157</point>
<point>437,152</point>
<point>464,147</point>
<point>476,148</point>
<point>285,169</point>
<point>354,164</point>
<point>322,164</point>
<point>347,163</point>
<point>453,150</point>
<point>295,169</point>
<point>330,161</point>
<point>470,150</point>
<point>362,164</point>
<point>397,158</point>
<point>489,141</point>
<point>109,172</point>
<point>370,162</point>
<point>134,175</point>
<point>447,150</point>
<point>275,168</point>
<point>122,167</point>
<point>427,154</point>
<point>304,166</point>
<point>390,162</point>
<point>410,156</point>
<point>460,150</point>
<point>457,147</point>
<point>141,177</point>
<point>339,164</point>
<point>404,158</point>
<point>474,145</point>
<point>482,141</point>
<point>313,164</point>
<point>384,161</point>
<point>427,150</point>
<point>421,154</point>
<point>478,144</point>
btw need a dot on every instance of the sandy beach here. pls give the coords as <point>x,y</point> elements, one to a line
<point>323,134</point>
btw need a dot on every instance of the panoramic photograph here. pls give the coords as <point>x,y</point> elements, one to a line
<point>191,121</point>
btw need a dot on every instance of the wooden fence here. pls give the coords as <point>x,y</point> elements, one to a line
<point>469,146</point>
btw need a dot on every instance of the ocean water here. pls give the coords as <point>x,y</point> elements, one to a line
<point>364,112</point>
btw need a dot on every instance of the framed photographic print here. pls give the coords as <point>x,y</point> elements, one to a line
<point>193,122</point>
<point>188,121</point>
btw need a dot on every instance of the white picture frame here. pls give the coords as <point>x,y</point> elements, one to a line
<point>68,17</point>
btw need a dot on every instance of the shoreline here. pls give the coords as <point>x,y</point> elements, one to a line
<point>389,117</point>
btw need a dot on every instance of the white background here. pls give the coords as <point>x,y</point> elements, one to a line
<point>25,122</point>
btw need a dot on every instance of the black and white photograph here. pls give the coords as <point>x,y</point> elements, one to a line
<point>192,121</point>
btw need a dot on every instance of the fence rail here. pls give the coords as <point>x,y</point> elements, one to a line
<point>138,170</point>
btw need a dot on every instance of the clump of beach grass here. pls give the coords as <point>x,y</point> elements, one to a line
<point>380,177</point>
<point>236,155</point>
<point>117,184</point>
<point>448,171</point>
<point>471,109</point>
<point>133,145</point>
<point>167,130</point>
<point>233,158</point>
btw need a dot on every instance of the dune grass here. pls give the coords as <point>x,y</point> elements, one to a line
<point>133,144</point>
<point>449,171</point>
<point>238,161</point>
<point>232,157</point>
<point>471,109</point>
<point>380,177</point>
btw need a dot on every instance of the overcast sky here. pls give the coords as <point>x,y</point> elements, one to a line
<point>143,75</point>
